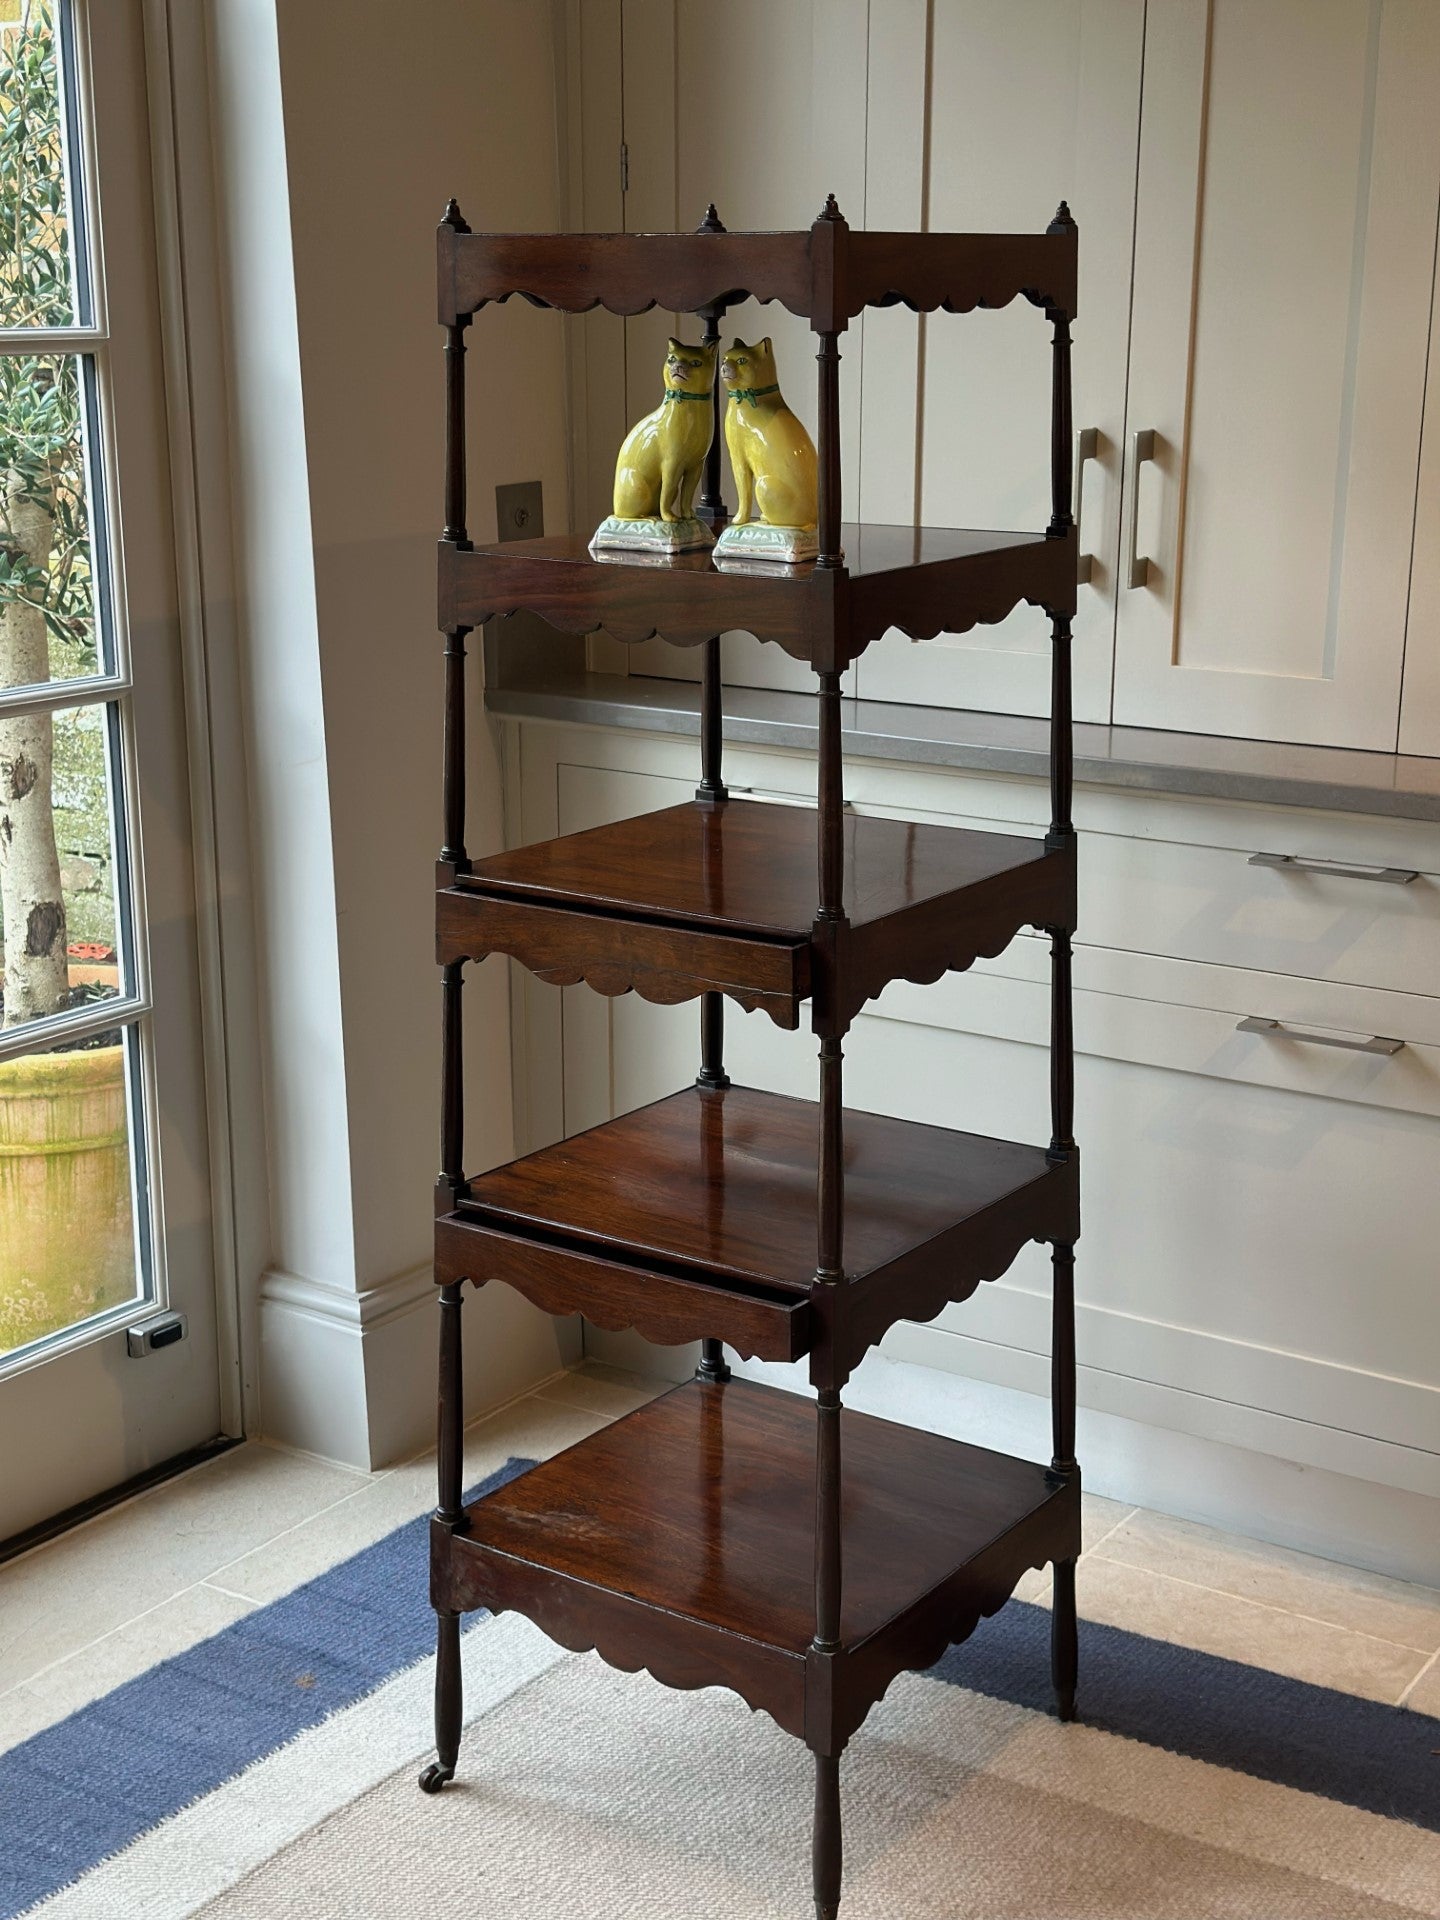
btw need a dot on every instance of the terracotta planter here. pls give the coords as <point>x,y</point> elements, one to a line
<point>66,1234</point>
<point>94,973</point>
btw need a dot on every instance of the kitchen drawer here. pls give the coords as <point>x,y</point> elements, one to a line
<point>1186,1016</point>
<point>1170,876</point>
<point>1315,921</point>
<point>1259,1215</point>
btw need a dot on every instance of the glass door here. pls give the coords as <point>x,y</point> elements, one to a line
<point>107,1314</point>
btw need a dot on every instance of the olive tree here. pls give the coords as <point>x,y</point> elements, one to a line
<point>45,578</point>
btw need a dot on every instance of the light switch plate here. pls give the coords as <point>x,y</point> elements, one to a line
<point>520,511</point>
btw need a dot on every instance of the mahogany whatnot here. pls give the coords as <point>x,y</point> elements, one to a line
<point>728,1534</point>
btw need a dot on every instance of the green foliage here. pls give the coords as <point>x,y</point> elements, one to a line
<point>82,824</point>
<point>35,276</point>
<point>42,454</point>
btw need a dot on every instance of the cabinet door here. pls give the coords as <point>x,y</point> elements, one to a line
<point>1420,703</point>
<point>1005,111</point>
<point>756,108</point>
<point>1284,255</point>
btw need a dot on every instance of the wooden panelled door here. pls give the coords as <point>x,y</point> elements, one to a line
<point>1284,260</point>
<point>914,117</point>
<point>1257,185</point>
<point>761,111</point>
<point>983,115</point>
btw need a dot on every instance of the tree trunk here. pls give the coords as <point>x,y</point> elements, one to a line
<point>32,908</point>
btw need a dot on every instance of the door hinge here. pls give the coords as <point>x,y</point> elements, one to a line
<point>624,167</point>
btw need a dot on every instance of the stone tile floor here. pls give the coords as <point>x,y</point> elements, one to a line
<point>83,1613</point>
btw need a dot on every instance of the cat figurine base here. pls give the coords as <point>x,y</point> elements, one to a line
<point>757,545</point>
<point>659,466</point>
<point>652,537</point>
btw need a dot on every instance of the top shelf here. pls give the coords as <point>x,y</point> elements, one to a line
<point>827,274</point>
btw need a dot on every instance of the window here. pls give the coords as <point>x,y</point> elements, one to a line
<point>74,1227</point>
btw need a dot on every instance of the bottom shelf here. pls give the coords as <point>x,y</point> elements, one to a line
<point>681,1539</point>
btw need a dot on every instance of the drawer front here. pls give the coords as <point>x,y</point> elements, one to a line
<point>1175,877</point>
<point>1312,920</point>
<point>1260,1216</point>
<point>666,1308</point>
<point>1192,1018</point>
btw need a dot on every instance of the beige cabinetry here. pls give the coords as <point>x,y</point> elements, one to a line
<point>1261,1212</point>
<point>1420,700</point>
<point>1012,102</point>
<point>1257,185</point>
<point>1289,173</point>
<point>753,110</point>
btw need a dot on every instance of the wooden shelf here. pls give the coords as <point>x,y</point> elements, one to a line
<point>682,1540</point>
<point>827,273</point>
<point>695,1216</point>
<point>728,1534</point>
<point>921,580</point>
<point>698,897</point>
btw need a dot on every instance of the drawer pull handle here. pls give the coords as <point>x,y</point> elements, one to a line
<point>1292,863</point>
<point>1257,1023</point>
<point>1087,447</point>
<point>1137,567</point>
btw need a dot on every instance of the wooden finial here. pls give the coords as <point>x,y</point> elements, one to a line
<point>712,223</point>
<point>453,218</point>
<point>831,210</point>
<point>1064,221</point>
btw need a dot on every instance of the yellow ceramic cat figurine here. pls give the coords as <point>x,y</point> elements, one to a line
<point>771,455</point>
<point>661,460</point>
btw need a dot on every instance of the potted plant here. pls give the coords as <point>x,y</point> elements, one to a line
<point>66,1240</point>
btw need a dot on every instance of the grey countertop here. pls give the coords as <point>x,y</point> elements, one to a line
<point>1403,786</point>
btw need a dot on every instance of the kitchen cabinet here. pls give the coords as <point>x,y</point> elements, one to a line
<point>1297,1320</point>
<point>1257,185</point>
<point>1288,181</point>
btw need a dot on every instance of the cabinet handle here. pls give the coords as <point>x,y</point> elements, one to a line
<point>1142,448</point>
<point>1292,863</point>
<point>1087,447</point>
<point>1257,1023</point>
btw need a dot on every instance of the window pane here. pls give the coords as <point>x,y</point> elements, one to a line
<point>57,844</point>
<point>48,625</point>
<point>67,1209</point>
<point>37,279</point>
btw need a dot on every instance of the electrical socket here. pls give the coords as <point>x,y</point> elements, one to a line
<point>520,511</point>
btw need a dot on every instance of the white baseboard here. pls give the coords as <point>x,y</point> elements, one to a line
<point>1314,1508</point>
<point>351,1376</point>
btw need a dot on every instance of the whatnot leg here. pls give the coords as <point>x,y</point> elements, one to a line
<point>1064,1639</point>
<point>449,1704</point>
<point>826,1858</point>
<point>1064,1636</point>
<point>449,1515</point>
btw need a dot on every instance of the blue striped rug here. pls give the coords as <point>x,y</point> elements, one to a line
<point>86,1790</point>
